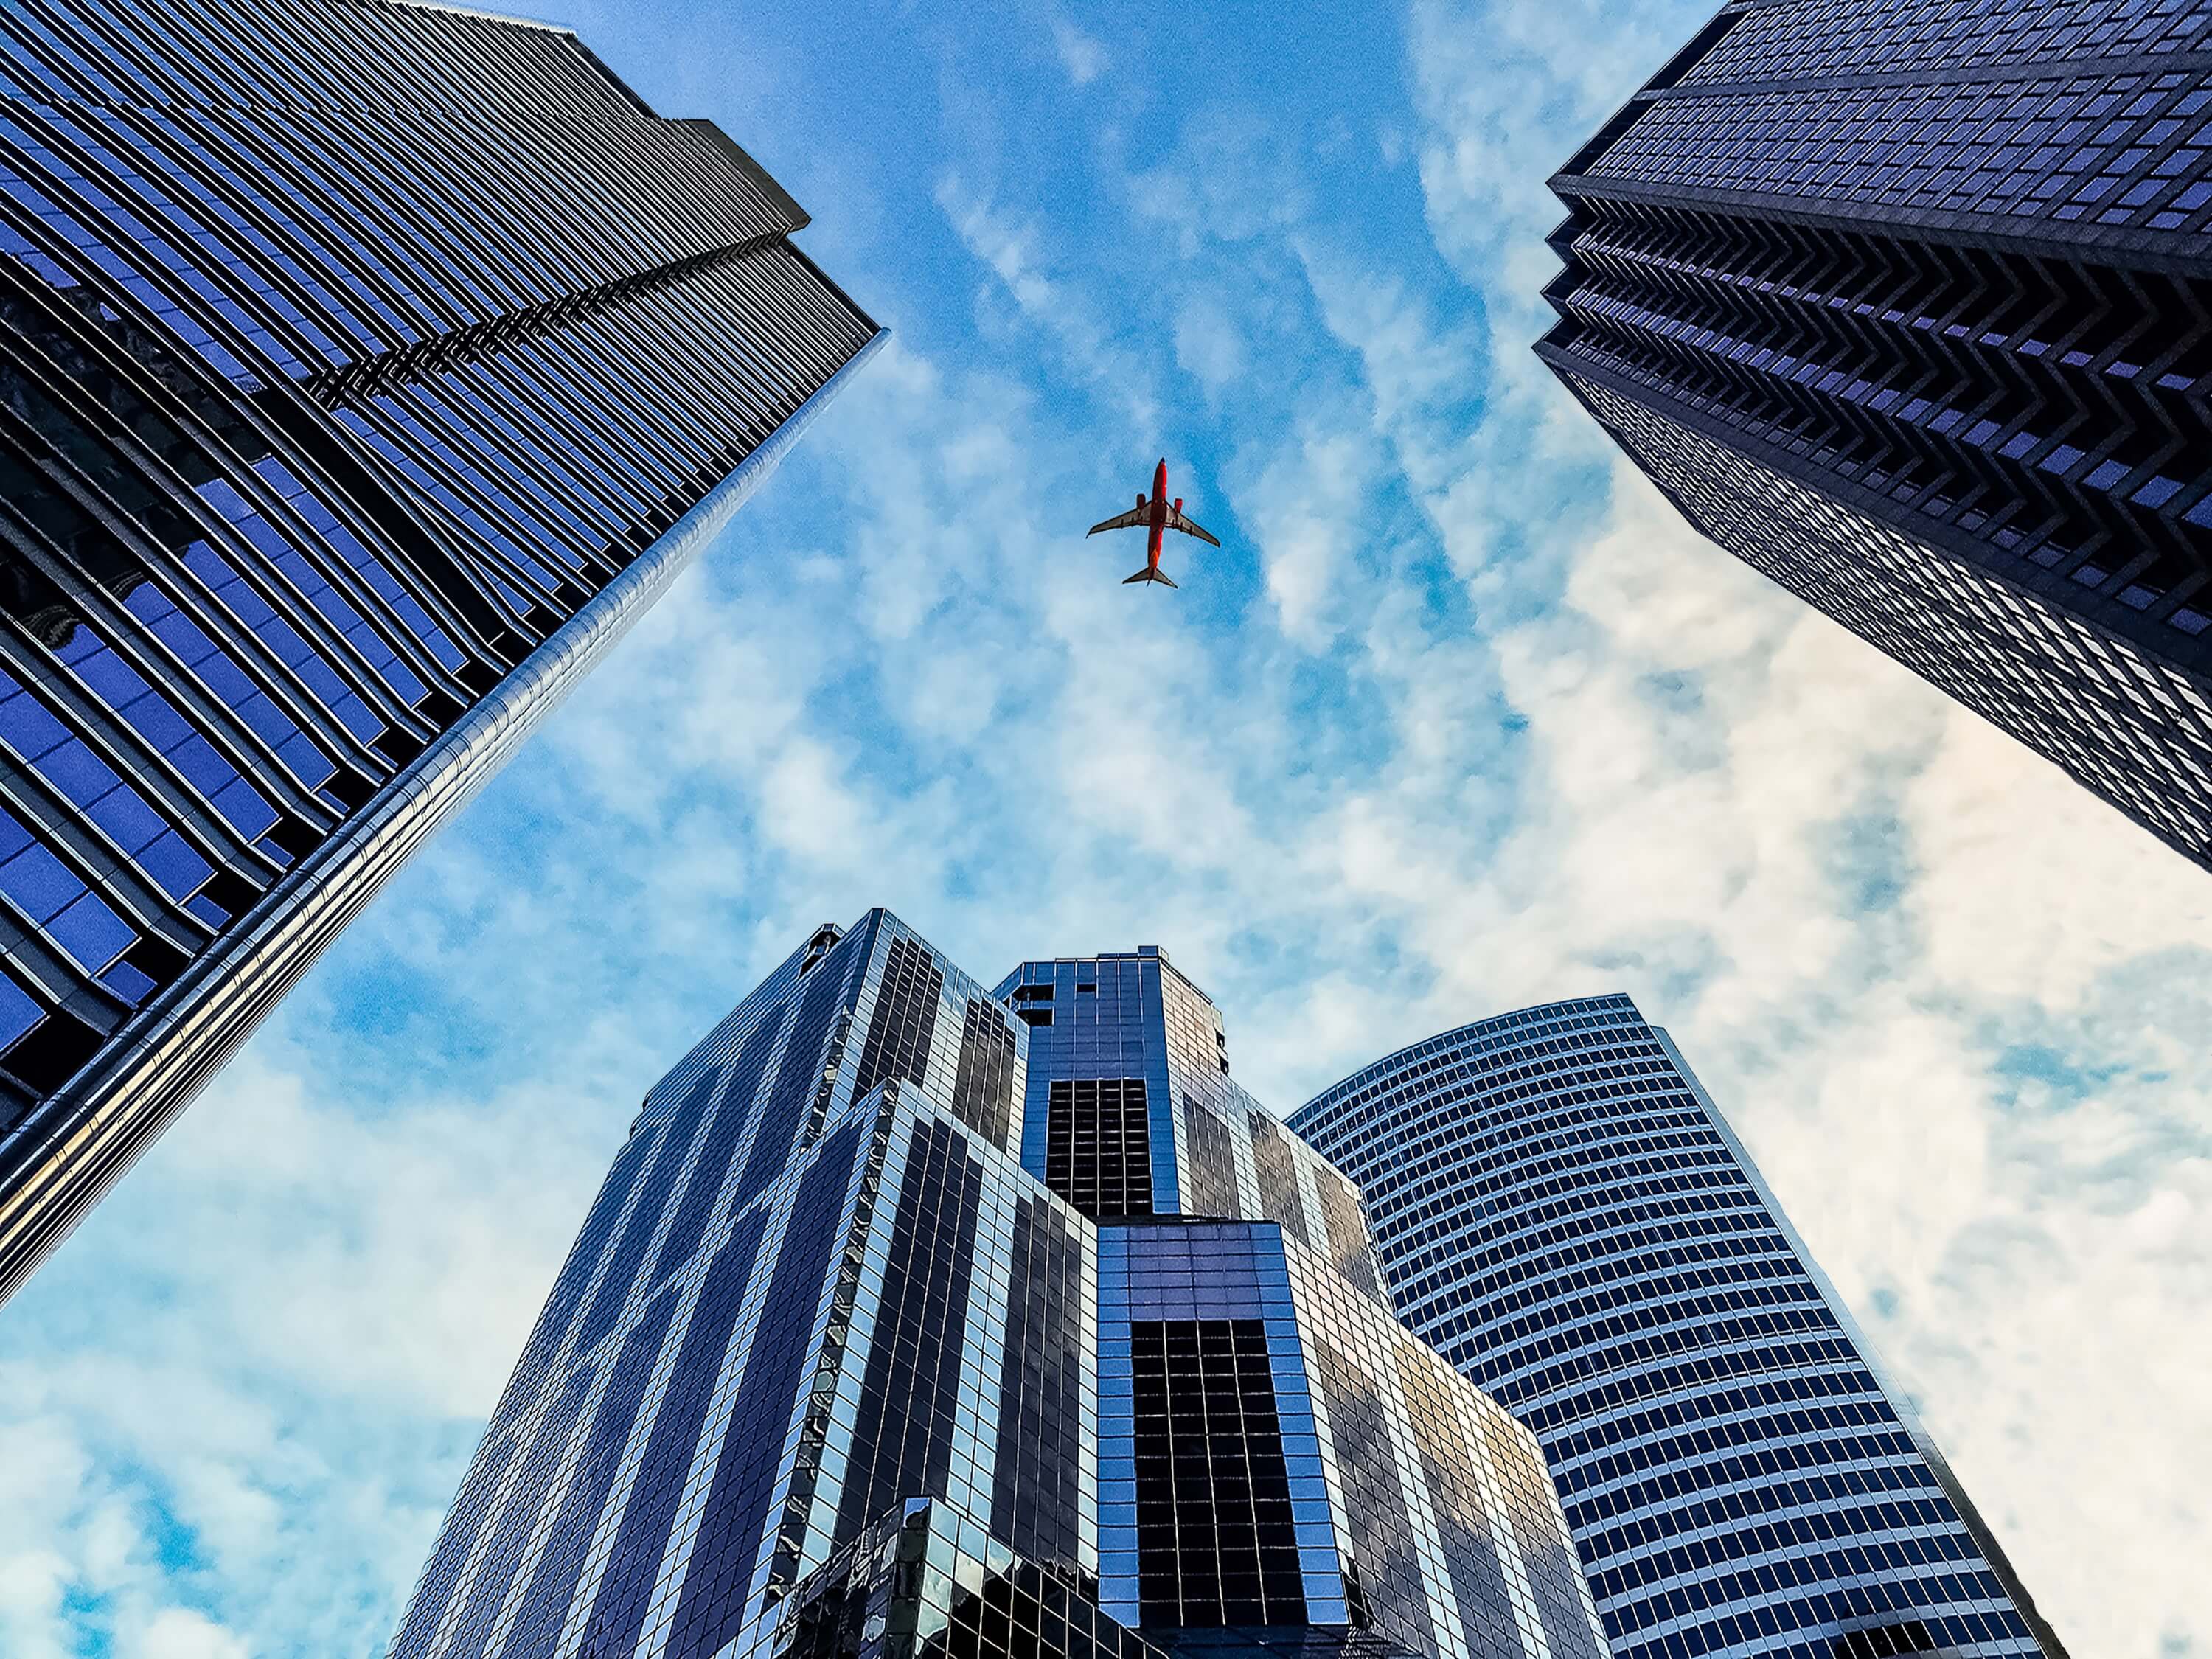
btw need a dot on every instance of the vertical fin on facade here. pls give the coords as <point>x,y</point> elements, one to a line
<point>1277,1175</point>
<point>624,1589</point>
<point>1210,1182</point>
<point>983,1088</point>
<point>1037,1500</point>
<point>1346,1228</point>
<point>725,1137</point>
<point>544,1606</point>
<point>727,1548</point>
<point>905,1019</point>
<point>903,1437</point>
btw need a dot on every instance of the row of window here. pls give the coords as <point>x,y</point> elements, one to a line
<point>1843,37</point>
<point>2120,149</point>
<point>1930,409</point>
<point>1963,631</point>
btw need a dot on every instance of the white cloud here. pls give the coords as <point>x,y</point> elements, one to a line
<point>1308,508</point>
<point>1084,59</point>
<point>1208,342</point>
<point>181,1634</point>
<point>1061,313</point>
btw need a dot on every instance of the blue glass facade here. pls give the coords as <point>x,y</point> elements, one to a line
<point>368,368</point>
<point>830,1370</point>
<point>1905,304</point>
<point>1128,1082</point>
<point>1563,1214</point>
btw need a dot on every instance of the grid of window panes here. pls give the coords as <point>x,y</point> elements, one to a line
<point>349,350</point>
<point>1133,1017</point>
<point>1559,1213</point>
<point>1947,265</point>
<point>929,1583</point>
<point>1216,1544</point>
<point>1098,1152</point>
<point>1455,1538</point>
<point>1226,1524</point>
<point>2112,150</point>
<point>2133,729</point>
<point>1899,36</point>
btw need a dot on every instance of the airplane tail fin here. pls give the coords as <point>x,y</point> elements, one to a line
<point>1149,574</point>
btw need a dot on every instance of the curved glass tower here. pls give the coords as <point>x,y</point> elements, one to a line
<point>365,369</point>
<point>1562,1211</point>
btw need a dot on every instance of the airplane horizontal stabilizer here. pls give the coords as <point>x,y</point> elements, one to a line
<point>1149,574</point>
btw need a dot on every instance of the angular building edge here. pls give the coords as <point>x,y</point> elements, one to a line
<point>54,1164</point>
<point>829,1372</point>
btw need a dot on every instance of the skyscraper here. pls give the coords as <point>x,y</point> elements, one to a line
<point>1908,305</point>
<point>368,367</point>
<point>1564,1214</point>
<point>831,1371</point>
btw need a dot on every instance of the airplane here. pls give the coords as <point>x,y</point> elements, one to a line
<point>1156,516</point>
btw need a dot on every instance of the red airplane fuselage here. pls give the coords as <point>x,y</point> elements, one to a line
<point>1158,525</point>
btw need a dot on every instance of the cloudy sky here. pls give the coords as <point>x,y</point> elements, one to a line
<point>1462,719</point>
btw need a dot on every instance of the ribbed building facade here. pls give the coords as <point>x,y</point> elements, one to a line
<point>1561,1210</point>
<point>831,1371</point>
<point>368,367</point>
<point>1908,305</point>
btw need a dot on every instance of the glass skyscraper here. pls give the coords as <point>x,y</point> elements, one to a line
<point>368,367</point>
<point>1908,305</point>
<point>913,1321</point>
<point>1560,1209</point>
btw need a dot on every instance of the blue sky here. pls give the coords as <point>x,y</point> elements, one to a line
<point>1461,718</point>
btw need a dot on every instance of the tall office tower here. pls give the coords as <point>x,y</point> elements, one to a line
<point>831,1373</point>
<point>1560,1209</point>
<point>1908,305</point>
<point>369,367</point>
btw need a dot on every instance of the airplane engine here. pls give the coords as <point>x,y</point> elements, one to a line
<point>1178,503</point>
<point>1140,501</point>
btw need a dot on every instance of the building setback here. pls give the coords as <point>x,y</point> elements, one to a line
<point>369,367</point>
<point>1562,1211</point>
<point>1908,305</point>
<point>833,1369</point>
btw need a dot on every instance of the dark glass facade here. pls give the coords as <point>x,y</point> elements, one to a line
<point>1561,1210</point>
<point>1908,305</point>
<point>368,367</point>
<point>894,1392</point>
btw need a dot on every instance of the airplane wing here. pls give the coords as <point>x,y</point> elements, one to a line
<point>1176,521</point>
<point>1135,519</point>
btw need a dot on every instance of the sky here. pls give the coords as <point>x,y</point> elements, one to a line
<point>1462,718</point>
